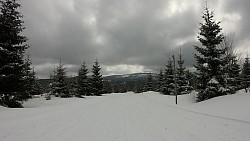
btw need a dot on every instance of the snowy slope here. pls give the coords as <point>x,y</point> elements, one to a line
<point>236,106</point>
<point>124,117</point>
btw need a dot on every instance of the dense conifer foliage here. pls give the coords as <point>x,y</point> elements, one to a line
<point>12,48</point>
<point>96,80</point>
<point>60,87</point>
<point>210,59</point>
<point>246,74</point>
<point>183,86</point>
<point>168,79</point>
<point>83,87</point>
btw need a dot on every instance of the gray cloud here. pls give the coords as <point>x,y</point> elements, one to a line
<point>124,35</point>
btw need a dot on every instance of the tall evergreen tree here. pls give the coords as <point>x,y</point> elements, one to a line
<point>160,81</point>
<point>182,82</point>
<point>29,77</point>
<point>233,75</point>
<point>53,82</point>
<point>60,88</point>
<point>83,81</point>
<point>210,60</point>
<point>72,86</point>
<point>191,77</point>
<point>97,84</point>
<point>31,85</point>
<point>232,68</point>
<point>246,74</point>
<point>169,83</point>
<point>12,48</point>
<point>37,88</point>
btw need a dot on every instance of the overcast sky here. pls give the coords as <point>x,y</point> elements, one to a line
<point>126,36</point>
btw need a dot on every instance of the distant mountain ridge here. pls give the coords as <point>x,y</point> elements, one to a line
<point>128,79</point>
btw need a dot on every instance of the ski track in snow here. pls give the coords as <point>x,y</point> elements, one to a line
<point>196,112</point>
<point>118,117</point>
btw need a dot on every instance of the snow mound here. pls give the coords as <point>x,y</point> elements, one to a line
<point>3,108</point>
<point>234,106</point>
<point>55,101</point>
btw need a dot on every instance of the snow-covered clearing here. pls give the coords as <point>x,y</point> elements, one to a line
<point>129,117</point>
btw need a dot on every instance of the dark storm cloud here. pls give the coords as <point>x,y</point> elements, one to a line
<point>240,11</point>
<point>124,35</point>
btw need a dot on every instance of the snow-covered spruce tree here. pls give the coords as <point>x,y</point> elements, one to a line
<point>168,84</point>
<point>52,84</point>
<point>246,74</point>
<point>29,77</point>
<point>37,87</point>
<point>182,82</point>
<point>160,81</point>
<point>60,85</point>
<point>232,65</point>
<point>72,86</point>
<point>96,80</point>
<point>12,48</point>
<point>191,77</point>
<point>83,87</point>
<point>233,75</point>
<point>210,60</point>
<point>31,85</point>
<point>150,83</point>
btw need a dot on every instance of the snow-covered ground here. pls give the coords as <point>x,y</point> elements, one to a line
<point>129,117</point>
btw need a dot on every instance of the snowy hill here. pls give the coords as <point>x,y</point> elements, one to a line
<point>129,117</point>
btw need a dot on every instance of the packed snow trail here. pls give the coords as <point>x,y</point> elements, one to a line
<point>117,117</point>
